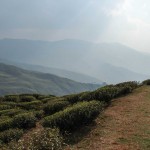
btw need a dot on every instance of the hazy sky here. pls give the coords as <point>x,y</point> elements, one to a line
<point>123,21</point>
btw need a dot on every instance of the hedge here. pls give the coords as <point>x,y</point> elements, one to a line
<point>54,107</point>
<point>74,116</point>
<point>11,134</point>
<point>25,120</point>
<point>30,105</point>
<point>11,98</point>
<point>6,124</point>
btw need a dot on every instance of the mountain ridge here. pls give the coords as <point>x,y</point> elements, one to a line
<point>80,56</point>
<point>14,80</point>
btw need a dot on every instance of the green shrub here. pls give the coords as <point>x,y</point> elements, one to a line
<point>11,104</point>
<point>11,134</point>
<point>27,98</point>
<point>39,114</point>
<point>11,112</point>
<point>47,139</point>
<point>11,98</point>
<point>74,116</point>
<point>6,124</point>
<point>146,82</point>
<point>74,98</point>
<point>25,120</point>
<point>30,105</point>
<point>52,108</point>
<point>4,107</point>
<point>46,100</point>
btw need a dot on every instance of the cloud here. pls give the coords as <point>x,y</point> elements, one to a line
<point>125,21</point>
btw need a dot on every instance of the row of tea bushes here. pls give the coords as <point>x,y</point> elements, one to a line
<point>74,116</point>
<point>11,134</point>
<point>22,121</point>
<point>105,93</point>
<point>55,106</point>
<point>11,112</point>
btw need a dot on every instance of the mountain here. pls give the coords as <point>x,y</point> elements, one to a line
<point>79,77</point>
<point>14,80</point>
<point>103,61</point>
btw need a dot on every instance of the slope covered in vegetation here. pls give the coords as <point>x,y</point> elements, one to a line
<point>14,80</point>
<point>19,113</point>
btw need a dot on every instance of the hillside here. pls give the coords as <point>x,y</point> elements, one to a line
<point>14,80</point>
<point>79,77</point>
<point>96,60</point>
<point>35,121</point>
<point>125,125</point>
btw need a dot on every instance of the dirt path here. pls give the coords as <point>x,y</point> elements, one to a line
<point>125,125</point>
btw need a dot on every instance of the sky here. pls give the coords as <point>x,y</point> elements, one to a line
<point>122,21</point>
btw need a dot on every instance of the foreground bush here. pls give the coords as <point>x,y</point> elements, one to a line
<point>25,120</point>
<point>54,107</point>
<point>47,139</point>
<point>6,124</point>
<point>74,116</point>
<point>11,134</point>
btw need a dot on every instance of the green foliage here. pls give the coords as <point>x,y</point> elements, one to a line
<point>11,112</point>
<point>146,82</point>
<point>54,107</point>
<point>6,124</point>
<point>74,116</point>
<point>105,93</point>
<point>25,120</point>
<point>11,98</point>
<point>30,105</point>
<point>27,98</point>
<point>39,114</point>
<point>47,139</point>
<point>4,107</point>
<point>11,134</point>
<point>11,104</point>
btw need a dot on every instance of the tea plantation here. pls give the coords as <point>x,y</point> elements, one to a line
<point>20,114</point>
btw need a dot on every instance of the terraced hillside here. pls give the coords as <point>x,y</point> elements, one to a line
<point>41,121</point>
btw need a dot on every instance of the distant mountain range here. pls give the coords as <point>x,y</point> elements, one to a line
<point>108,62</point>
<point>79,77</point>
<point>14,80</point>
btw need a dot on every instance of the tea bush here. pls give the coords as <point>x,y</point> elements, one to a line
<point>54,107</point>
<point>38,114</point>
<point>11,98</point>
<point>4,107</point>
<point>6,124</point>
<point>11,134</point>
<point>11,112</point>
<point>74,116</point>
<point>25,120</point>
<point>47,139</point>
<point>26,98</point>
<point>30,105</point>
